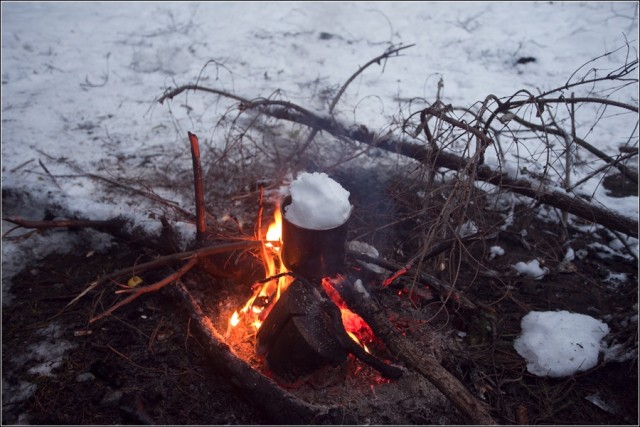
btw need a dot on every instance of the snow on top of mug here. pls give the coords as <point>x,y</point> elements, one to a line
<point>318,202</point>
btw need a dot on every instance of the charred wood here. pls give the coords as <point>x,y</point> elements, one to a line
<point>304,332</point>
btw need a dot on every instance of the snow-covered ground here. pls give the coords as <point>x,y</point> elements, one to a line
<point>80,83</point>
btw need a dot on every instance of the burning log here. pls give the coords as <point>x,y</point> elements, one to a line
<point>298,337</point>
<point>304,332</point>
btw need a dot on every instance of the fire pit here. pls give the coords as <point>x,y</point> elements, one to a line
<point>296,346</point>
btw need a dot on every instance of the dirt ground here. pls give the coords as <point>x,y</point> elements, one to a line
<point>143,364</point>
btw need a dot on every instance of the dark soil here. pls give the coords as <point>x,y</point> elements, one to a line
<point>143,364</point>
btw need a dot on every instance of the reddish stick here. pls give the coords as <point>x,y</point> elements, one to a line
<point>135,293</point>
<point>201,226</point>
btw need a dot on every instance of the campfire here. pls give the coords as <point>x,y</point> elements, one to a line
<point>306,343</point>
<point>300,321</point>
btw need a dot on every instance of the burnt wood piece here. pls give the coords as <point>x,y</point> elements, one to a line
<point>360,302</point>
<point>304,332</point>
<point>296,336</point>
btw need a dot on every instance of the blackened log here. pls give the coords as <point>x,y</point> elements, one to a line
<point>304,332</point>
<point>297,336</point>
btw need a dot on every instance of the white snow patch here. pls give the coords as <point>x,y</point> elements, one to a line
<point>630,242</point>
<point>495,251</point>
<point>582,253</point>
<point>467,229</point>
<point>560,343</point>
<point>317,202</point>
<point>185,232</point>
<point>614,280</point>
<point>367,249</point>
<point>616,277</point>
<point>531,269</point>
<point>49,353</point>
<point>18,393</point>
<point>618,353</point>
<point>607,253</point>
<point>570,255</point>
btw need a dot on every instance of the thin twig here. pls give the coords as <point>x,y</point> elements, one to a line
<point>163,261</point>
<point>375,60</point>
<point>49,174</point>
<point>540,102</point>
<point>175,92</point>
<point>633,176</point>
<point>137,292</point>
<point>21,165</point>
<point>147,194</point>
<point>602,168</point>
<point>390,51</point>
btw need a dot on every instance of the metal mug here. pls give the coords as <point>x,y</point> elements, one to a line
<point>313,254</point>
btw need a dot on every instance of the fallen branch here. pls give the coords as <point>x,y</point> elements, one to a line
<point>574,205</point>
<point>137,292</point>
<point>197,254</point>
<point>359,301</point>
<point>562,201</point>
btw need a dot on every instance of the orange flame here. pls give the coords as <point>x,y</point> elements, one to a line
<point>235,319</point>
<point>270,291</point>
<point>356,327</point>
<point>274,233</point>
